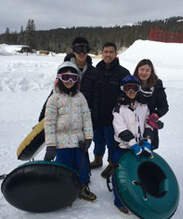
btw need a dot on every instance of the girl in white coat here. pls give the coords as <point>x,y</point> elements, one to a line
<point>131,130</point>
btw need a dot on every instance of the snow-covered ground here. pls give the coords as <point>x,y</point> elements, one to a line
<point>25,82</point>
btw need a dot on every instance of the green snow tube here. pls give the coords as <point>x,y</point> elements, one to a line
<point>147,187</point>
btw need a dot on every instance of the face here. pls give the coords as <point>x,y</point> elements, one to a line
<point>69,83</point>
<point>132,94</point>
<point>144,73</point>
<point>80,57</point>
<point>108,54</point>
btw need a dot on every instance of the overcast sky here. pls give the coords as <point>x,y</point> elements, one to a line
<point>51,14</point>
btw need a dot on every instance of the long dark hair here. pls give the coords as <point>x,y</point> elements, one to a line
<point>153,77</point>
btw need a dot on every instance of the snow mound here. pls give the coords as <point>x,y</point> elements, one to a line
<point>161,54</point>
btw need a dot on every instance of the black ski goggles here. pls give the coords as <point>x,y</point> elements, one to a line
<point>81,49</point>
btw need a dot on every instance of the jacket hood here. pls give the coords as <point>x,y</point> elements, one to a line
<point>71,55</point>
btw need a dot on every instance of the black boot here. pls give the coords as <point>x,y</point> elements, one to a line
<point>108,171</point>
<point>96,163</point>
<point>86,194</point>
<point>124,210</point>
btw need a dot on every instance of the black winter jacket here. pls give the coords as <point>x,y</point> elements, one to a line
<point>89,87</point>
<point>157,103</point>
<point>110,80</point>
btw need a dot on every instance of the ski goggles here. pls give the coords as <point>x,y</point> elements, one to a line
<point>81,49</point>
<point>66,77</point>
<point>130,87</point>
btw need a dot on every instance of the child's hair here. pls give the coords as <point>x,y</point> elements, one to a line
<point>71,91</point>
<point>153,77</point>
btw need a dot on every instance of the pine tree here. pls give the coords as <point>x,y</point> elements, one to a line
<point>30,34</point>
<point>7,36</point>
<point>21,36</point>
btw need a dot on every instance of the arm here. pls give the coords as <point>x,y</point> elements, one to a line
<point>95,102</point>
<point>50,121</point>
<point>121,129</point>
<point>42,114</point>
<point>148,130</point>
<point>162,106</point>
<point>124,134</point>
<point>86,118</point>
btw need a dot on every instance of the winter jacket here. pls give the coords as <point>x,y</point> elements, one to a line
<point>67,120</point>
<point>130,121</point>
<point>110,80</point>
<point>157,103</point>
<point>88,86</point>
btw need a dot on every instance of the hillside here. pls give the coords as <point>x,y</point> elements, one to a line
<point>59,40</point>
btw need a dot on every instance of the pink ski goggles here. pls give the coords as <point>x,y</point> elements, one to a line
<point>66,77</point>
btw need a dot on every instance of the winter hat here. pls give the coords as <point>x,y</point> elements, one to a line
<point>129,79</point>
<point>65,66</point>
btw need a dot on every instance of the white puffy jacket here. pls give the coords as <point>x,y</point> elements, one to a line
<point>132,120</point>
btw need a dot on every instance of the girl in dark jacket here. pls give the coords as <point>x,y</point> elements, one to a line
<point>154,94</point>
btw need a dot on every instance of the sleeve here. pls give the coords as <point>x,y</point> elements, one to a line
<point>162,106</point>
<point>148,130</point>
<point>86,118</point>
<point>121,130</point>
<point>51,120</point>
<point>42,114</point>
<point>95,102</point>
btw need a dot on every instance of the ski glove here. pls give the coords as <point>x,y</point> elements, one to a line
<point>85,145</point>
<point>50,153</point>
<point>137,150</point>
<point>147,148</point>
<point>154,121</point>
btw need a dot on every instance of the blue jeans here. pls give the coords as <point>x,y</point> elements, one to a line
<point>76,159</point>
<point>104,136</point>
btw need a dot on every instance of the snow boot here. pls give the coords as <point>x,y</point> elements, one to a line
<point>96,163</point>
<point>123,210</point>
<point>86,194</point>
<point>108,171</point>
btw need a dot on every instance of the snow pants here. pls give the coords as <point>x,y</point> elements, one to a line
<point>117,201</point>
<point>76,159</point>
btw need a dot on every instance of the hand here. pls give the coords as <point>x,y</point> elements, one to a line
<point>137,150</point>
<point>85,145</point>
<point>154,117</point>
<point>50,153</point>
<point>154,121</point>
<point>147,148</point>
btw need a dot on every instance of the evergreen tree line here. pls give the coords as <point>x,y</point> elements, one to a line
<point>59,40</point>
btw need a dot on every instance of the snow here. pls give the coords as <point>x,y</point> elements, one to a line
<point>26,81</point>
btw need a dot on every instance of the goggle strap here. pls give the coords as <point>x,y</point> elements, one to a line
<point>60,75</point>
